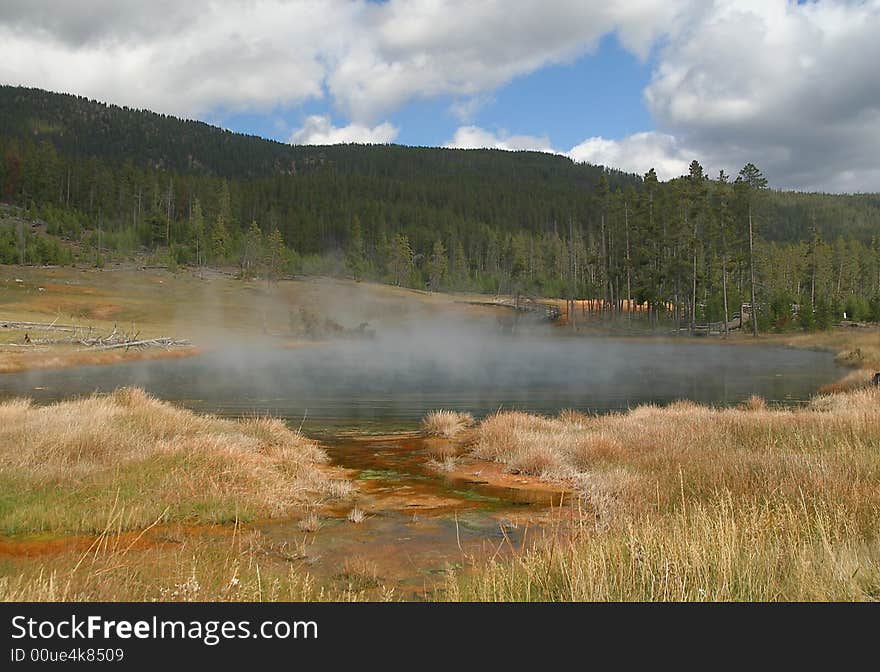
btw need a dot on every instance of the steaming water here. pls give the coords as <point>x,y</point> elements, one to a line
<point>389,383</point>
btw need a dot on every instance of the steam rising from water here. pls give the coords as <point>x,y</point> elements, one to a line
<point>420,359</point>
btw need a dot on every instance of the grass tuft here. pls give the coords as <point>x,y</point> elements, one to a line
<point>311,523</point>
<point>753,403</point>
<point>446,424</point>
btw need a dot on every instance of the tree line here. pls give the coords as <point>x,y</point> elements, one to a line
<point>690,250</point>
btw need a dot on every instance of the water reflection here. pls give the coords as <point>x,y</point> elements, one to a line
<point>390,383</point>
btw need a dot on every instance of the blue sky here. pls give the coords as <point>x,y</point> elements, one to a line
<point>598,94</point>
<point>788,85</point>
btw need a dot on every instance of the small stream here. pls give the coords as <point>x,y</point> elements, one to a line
<point>420,521</point>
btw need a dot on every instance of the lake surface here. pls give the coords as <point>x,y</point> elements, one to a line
<point>389,383</point>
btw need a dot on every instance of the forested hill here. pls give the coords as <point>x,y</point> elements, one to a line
<point>80,129</point>
<point>84,128</point>
<point>113,181</point>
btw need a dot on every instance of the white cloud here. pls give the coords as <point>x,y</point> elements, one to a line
<point>319,130</point>
<point>793,88</point>
<point>193,57</point>
<point>465,109</point>
<point>637,153</point>
<point>461,48</point>
<point>180,58</point>
<point>474,137</point>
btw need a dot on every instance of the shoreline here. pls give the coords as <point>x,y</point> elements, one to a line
<point>216,309</point>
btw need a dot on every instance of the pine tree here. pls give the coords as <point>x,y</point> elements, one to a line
<point>355,257</point>
<point>275,255</point>
<point>696,186</point>
<point>724,221</point>
<point>602,196</point>
<point>252,250</point>
<point>400,261</point>
<point>219,241</point>
<point>436,265</point>
<point>753,182</point>
<point>460,266</point>
<point>198,230</point>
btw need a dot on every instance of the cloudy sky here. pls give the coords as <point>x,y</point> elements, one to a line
<point>792,86</point>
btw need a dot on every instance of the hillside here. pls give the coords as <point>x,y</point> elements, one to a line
<point>83,128</point>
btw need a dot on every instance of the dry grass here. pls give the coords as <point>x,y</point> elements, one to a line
<point>358,574</point>
<point>754,403</point>
<point>64,467</point>
<point>714,551</point>
<point>445,464</point>
<point>176,566</point>
<point>311,522</point>
<point>446,424</point>
<point>689,502</point>
<point>854,380</point>
<point>356,516</point>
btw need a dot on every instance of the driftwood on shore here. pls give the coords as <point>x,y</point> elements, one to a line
<point>85,336</point>
<point>162,341</point>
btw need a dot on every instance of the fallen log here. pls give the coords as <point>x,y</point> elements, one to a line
<point>147,342</point>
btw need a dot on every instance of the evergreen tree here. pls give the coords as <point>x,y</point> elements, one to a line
<point>753,181</point>
<point>400,260</point>
<point>275,255</point>
<point>460,266</point>
<point>198,231</point>
<point>436,265</point>
<point>355,256</point>
<point>252,250</point>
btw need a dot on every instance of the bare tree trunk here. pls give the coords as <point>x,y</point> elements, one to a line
<point>694,294</point>
<point>813,287</point>
<point>628,265</point>
<point>754,310</point>
<point>724,291</point>
<point>168,213</point>
<point>21,243</point>
<point>603,254</point>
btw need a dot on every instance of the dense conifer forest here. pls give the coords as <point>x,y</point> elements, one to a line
<point>83,182</point>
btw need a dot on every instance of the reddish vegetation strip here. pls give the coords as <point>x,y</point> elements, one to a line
<point>160,535</point>
<point>34,548</point>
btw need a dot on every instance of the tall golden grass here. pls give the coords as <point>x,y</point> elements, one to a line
<point>689,502</point>
<point>63,467</point>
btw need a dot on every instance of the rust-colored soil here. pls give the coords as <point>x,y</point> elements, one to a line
<point>493,473</point>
